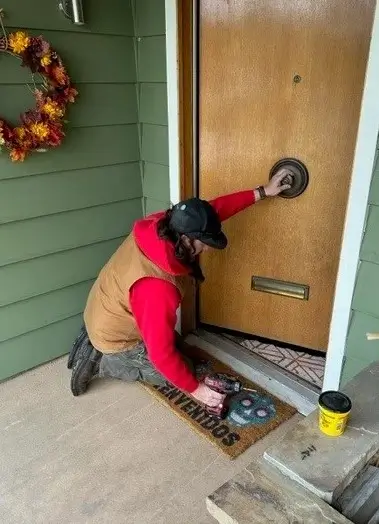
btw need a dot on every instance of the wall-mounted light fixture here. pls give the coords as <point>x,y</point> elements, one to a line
<point>73,10</point>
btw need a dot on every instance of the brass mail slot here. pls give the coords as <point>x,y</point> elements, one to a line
<point>280,287</point>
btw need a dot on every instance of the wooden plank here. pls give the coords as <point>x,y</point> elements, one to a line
<point>82,148</point>
<point>153,104</point>
<point>28,315</point>
<point>34,348</point>
<point>88,58</point>
<point>155,144</point>
<point>45,274</point>
<point>96,105</point>
<point>370,244</point>
<point>151,61</point>
<point>150,17</point>
<point>367,290</point>
<point>41,236</point>
<point>35,196</point>
<point>156,183</point>
<point>114,18</point>
<point>357,345</point>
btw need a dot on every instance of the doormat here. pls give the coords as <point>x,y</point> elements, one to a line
<point>307,366</point>
<point>252,415</point>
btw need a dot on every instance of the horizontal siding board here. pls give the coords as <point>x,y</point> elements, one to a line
<point>366,295</point>
<point>45,274</point>
<point>82,147</point>
<point>18,100</point>
<point>370,244</point>
<point>87,57</point>
<point>45,14</point>
<point>45,235</point>
<point>151,62</point>
<point>104,104</point>
<point>155,144</point>
<point>29,350</point>
<point>97,104</point>
<point>156,182</point>
<point>351,368</point>
<point>152,205</point>
<point>359,351</point>
<point>374,191</point>
<point>43,310</point>
<point>63,213</point>
<point>35,196</point>
<point>153,104</point>
<point>357,344</point>
<point>150,17</point>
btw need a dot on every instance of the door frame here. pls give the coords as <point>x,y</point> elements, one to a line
<point>181,56</point>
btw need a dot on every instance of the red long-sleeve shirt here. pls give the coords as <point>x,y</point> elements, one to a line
<point>154,302</point>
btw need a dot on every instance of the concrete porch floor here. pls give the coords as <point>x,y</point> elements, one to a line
<point>113,455</point>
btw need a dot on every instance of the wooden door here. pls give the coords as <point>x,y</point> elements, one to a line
<point>279,79</point>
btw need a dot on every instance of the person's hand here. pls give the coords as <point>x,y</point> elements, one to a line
<point>276,186</point>
<point>207,396</point>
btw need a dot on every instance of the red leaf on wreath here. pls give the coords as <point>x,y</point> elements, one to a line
<point>5,131</point>
<point>55,136</point>
<point>18,155</point>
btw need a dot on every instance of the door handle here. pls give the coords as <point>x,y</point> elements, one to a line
<point>298,177</point>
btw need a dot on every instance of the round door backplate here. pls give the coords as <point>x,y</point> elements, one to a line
<point>299,176</point>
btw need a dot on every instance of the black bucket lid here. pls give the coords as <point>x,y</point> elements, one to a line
<point>335,401</point>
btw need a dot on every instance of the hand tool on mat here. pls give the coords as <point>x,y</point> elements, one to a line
<point>227,385</point>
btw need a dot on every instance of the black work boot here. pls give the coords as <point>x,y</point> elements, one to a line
<point>78,348</point>
<point>72,358</point>
<point>85,369</point>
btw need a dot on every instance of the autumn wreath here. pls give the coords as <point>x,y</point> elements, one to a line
<point>42,127</point>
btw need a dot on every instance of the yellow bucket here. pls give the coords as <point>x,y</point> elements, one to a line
<point>334,411</point>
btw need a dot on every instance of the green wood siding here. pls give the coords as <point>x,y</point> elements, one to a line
<point>63,213</point>
<point>365,307</point>
<point>152,97</point>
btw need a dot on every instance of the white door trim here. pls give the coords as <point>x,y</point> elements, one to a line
<point>171,18</point>
<point>359,189</point>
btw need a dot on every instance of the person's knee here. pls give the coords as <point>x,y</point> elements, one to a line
<point>112,366</point>
<point>152,376</point>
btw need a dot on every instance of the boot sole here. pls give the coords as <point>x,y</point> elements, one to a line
<point>71,359</point>
<point>75,390</point>
<point>77,371</point>
<point>75,349</point>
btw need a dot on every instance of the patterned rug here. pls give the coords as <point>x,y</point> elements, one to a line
<point>251,416</point>
<point>308,367</point>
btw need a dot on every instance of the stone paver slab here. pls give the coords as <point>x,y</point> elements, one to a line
<point>261,495</point>
<point>327,465</point>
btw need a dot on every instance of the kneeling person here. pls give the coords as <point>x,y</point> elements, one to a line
<point>130,316</point>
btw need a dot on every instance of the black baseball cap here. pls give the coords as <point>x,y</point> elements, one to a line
<point>197,219</point>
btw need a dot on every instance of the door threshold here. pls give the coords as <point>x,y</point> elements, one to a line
<point>281,383</point>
